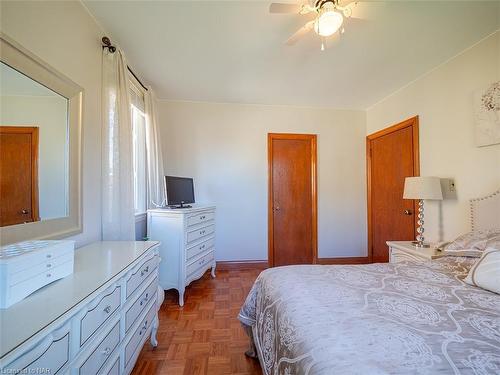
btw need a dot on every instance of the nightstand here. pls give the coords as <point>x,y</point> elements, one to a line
<point>400,251</point>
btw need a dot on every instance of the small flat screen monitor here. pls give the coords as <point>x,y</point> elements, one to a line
<point>180,190</point>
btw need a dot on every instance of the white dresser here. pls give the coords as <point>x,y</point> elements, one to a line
<point>187,239</point>
<point>94,321</point>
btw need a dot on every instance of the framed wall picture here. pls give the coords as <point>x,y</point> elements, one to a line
<point>487,115</point>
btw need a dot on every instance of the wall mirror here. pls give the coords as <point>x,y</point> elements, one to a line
<point>40,146</point>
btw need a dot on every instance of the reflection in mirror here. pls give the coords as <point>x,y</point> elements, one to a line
<point>33,150</point>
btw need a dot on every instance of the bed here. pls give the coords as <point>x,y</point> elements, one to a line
<point>396,318</point>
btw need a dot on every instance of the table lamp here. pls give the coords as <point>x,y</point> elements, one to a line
<point>422,188</point>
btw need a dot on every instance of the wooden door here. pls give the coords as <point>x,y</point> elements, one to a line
<point>392,155</point>
<point>292,207</point>
<point>18,175</point>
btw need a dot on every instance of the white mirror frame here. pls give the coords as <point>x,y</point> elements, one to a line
<point>14,55</point>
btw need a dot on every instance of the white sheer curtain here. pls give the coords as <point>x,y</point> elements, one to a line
<point>156,190</point>
<point>118,221</point>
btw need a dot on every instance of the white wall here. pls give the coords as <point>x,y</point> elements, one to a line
<point>224,147</point>
<point>49,114</point>
<point>64,35</point>
<point>443,100</point>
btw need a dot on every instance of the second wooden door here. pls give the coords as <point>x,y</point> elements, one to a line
<point>292,199</point>
<point>392,155</point>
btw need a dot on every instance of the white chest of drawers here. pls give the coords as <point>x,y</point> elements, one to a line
<point>187,239</point>
<point>94,321</point>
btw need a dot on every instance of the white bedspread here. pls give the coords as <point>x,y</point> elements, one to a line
<point>402,318</point>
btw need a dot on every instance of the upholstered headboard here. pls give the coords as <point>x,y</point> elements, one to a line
<point>485,212</point>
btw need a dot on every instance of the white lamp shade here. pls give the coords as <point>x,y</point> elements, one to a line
<point>423,188</point>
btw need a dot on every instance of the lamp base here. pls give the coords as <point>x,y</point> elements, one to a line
<point>420,244</point>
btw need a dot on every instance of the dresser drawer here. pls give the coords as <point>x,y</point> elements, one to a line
<point>141,273</point>
<point>193,251</point>
<point>200,217</point>
<point>193,235</point>
<point>101,353</point>
<point>34,283</point>
<point>28,266</point>
<point>138,336</point>
<point>115,369</point>
<point>396,256</point>
<point>34,253</point>
<point>102,308</point>
<point>44,267</point>
<point>51,353</point>
<point>140,304</point>
<point>199,263</point>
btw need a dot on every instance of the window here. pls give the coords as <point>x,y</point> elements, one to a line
<point>139,149</point>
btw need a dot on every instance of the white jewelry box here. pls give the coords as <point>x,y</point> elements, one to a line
<point>28,266</point>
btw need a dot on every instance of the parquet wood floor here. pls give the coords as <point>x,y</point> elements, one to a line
<point>204,336</point>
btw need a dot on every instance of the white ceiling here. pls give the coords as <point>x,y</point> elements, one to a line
<point>233,51</point>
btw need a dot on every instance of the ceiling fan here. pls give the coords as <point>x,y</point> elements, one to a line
<point>329,18</point>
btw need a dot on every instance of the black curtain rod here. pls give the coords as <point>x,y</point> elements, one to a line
<point>138,80</point>
<point>106,43</point>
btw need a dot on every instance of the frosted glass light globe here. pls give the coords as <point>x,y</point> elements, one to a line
<point>328,23</point>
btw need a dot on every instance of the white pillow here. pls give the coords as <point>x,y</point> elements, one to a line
<point>486,272</point>
<point>473,244</point>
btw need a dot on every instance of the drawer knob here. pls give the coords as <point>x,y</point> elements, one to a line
<point>49,275</point>
<point>49,265</point>
<point>202,217</point>
<point>202,232</point>
<point>144,327</point>
<point>145,299</point>
<point>49,255</point>
<point>107,309</point>
<point>106,351</point>
<point>144,271</point>
<point>202,247</point>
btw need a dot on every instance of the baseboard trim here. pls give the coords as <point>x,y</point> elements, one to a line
<point>234,265</point>
<point>350,260</point>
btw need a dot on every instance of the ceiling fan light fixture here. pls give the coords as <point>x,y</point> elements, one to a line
<point>328,23</point>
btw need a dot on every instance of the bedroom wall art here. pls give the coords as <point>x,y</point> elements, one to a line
<point>487,115</point>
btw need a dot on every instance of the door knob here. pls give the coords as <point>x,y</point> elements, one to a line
<point>277,208</point>
<point>25,211</point>
<point>408,212</point>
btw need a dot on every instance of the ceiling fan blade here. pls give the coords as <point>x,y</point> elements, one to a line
<point>285,8</point>
<point>357,21</point>
<point>344,3</point>
<point>300,33</point>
